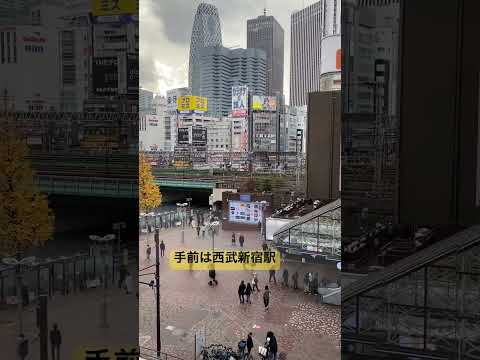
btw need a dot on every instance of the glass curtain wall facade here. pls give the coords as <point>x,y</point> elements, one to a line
<point>425,306</point>
<point>317,233</point>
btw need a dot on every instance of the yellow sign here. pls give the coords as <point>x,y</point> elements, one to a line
<point>105,352</point>
<point>114,7</point>
<point>192,104</point>
<point>224,260</point>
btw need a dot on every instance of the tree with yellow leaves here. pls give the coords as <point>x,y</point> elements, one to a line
<point>25,217</point>
<point>150,196</point>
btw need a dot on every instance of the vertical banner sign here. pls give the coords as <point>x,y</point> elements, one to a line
<point>105,76</point>
<point>239,101</point>
<point>339,59</point>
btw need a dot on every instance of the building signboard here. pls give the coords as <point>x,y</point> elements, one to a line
<point>239,101</point>
<point>264,103</point>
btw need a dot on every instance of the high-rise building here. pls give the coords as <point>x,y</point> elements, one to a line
<point>206,32</point>
<point>264,32</point>
<point>222,68</point>
<point>305,58</point>
<point>331,44</point>
<point>145,101</point>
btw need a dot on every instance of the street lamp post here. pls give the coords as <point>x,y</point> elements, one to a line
<point>157,285</point>
<point>18,264</point>
<point>103,242</point>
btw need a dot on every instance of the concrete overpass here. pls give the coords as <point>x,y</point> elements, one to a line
<point>112,187</point>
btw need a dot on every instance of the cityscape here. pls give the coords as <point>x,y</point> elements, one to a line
<point>242,165</point>
<point>212,179</point>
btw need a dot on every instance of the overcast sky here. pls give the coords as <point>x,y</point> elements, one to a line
<point>166,27</point>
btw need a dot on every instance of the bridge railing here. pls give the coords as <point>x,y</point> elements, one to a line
<point>87,186</point>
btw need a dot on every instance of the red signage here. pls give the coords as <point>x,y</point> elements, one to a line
<point>339,59</point>
<point>34,39</point>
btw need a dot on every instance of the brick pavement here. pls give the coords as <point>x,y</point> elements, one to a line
<point>305,329</point>
<point>78,317</point>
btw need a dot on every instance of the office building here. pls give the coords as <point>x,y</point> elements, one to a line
<point>206,32</point>
<point>324,132</point>
<point>223,68</point>
<point>145,101</point>
<point>420,303</point>
<point>305,53</point>
<point>265,132</point>
<point>264,32</point>
<point>331,44</point>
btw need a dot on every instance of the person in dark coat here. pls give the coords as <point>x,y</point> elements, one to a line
<point>248,292</point>
<point>241,292</point>
<point>249,344</point>
<point>272,345</point>
<point>272,276</point>
<point>162,249</point>
<point>233,238</point>
<point>285,277</point>
<point>212,275</point>
<point>241,240</point>
<point>55,341</point>
<point>295,280</point>
<point>266,297</point>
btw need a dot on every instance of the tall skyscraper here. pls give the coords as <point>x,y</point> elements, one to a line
<point>145,101</point>
<point>265,33</point>
<point>306,31</point>
<point>206,32</point>
<point>222,68</point>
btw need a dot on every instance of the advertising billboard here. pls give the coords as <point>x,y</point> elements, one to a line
<point>239,101</point>
<point>264,103</point>
<point>114,7</point>
<point>192,104</point>
<point>244,212</point>
<point>183,136</point>
<point>105,76</point>
<point>331,54</point>
<point>172,99</point>
<point>199,136</point>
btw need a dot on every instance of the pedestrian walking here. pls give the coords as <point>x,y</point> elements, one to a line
<point>162,248</point>
<point>241,292</point>
<point>212,276</point>
<point>272,276</point>
<point>123,275</point>
<point>266,297</point>
<point>255,282</point>
<point>272,345</point>
<point>198,230</point>
<point>55,341</point>
<point>285,277</point>
<point>203,232</point>
<point>248,292</point>
<point>306,283</point>
<point>295,280</point>
<point>149,252</point>
<point>128,283</point>
<point>264,246</point>
<point>241,240</point>
<point>233,239</point>
<point>249,345</point>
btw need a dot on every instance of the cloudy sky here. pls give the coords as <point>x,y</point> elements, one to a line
<point>166,26</point>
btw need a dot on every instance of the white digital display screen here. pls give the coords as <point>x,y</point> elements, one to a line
<point>244,212</point>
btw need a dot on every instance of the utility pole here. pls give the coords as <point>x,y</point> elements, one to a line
<point>43,325</point>
<point>157,286</point>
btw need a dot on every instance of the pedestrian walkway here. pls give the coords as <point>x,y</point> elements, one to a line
<point>189,305</point>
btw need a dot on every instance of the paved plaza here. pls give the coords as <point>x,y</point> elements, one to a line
<point>305,328</point>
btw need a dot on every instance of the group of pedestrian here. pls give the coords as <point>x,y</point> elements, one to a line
<point>244,292</point>
<point>149,250</point>
<point>269,350</point>
<point>241,239</point>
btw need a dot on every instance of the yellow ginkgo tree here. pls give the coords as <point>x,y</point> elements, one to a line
<point>149,192</point>
<point>26,220</point>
